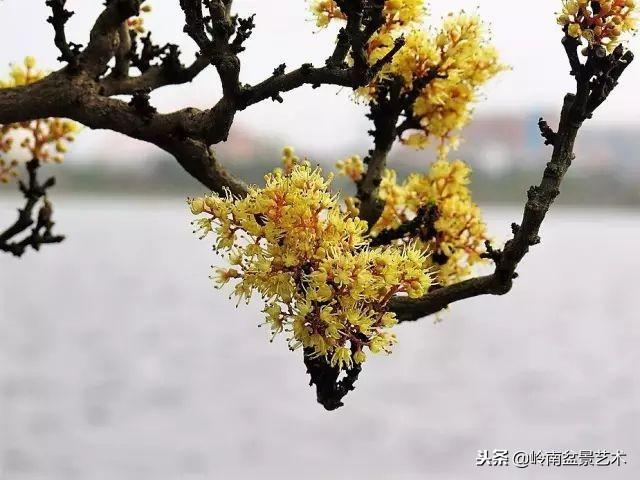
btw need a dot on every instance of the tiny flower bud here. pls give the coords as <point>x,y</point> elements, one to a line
<point>197,206</point>
<point>29,62</point>
<point>359,357</point>
<point>287,151</point>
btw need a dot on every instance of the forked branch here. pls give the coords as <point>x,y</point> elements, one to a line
<point>595,79</point>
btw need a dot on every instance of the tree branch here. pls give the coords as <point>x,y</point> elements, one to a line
<point>69,51</point>
<point>329,390</point>
<point>104,38</point>
<point>576,108</point>
<point>279,83</point>
<point>422,226</point>
<point>179,133</point>
<point>363,20</point>
<point>41,233</point>
<point>83,94</point>
<point>212,34</point>
<point>123,52</point>
<point>153,78</point>
<point>385,112</point>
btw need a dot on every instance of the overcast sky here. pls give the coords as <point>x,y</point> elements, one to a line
<point>524,32</point>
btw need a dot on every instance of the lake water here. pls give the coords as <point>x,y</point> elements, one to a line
<point>118,360</point>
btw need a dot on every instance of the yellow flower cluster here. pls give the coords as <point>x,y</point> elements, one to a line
<point>460,232</point>
<point>459,52</point>
<point>44,139</point>
<point>292,244</point>
<point>464,61</point>
<point>325,11</point>
<point>395,12</point>
<point>352,167</point>
<point>8,169</point>
<point>599,22</point>
<point>23,74</point>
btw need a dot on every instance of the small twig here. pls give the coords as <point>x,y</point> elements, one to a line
<point>69,51</point>
<point>341,50</point>
<point>547,132</point>
<point>41,233</point>
<point>387,58</point>
<point>329,390</point>
<point>141,101</point>
<point>422,226</point>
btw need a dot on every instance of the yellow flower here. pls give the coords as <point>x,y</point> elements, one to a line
<point>30,62</point>
<point>359,357</point>
<point>352,167</point>
<point>136,24</point>
<point>459,51</point>
<point>325,11</point>
<point>223,275</point>
<point>575,30</point>
<point>197,206</point>
<point>273,312</point>
<point>342,357</point>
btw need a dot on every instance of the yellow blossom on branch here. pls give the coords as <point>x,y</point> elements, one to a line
<point>457,56</point>
<point>460,61</point>
<point>291,243</point>
<point>352,167</point>
<point>325,11</point>
<point>600,23</point>
<point>459,233</point>
<point>8,169</point>
<point>43,139</point>
<point>395,12</point>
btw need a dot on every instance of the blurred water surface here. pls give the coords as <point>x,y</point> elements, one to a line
<point>119,361</point>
